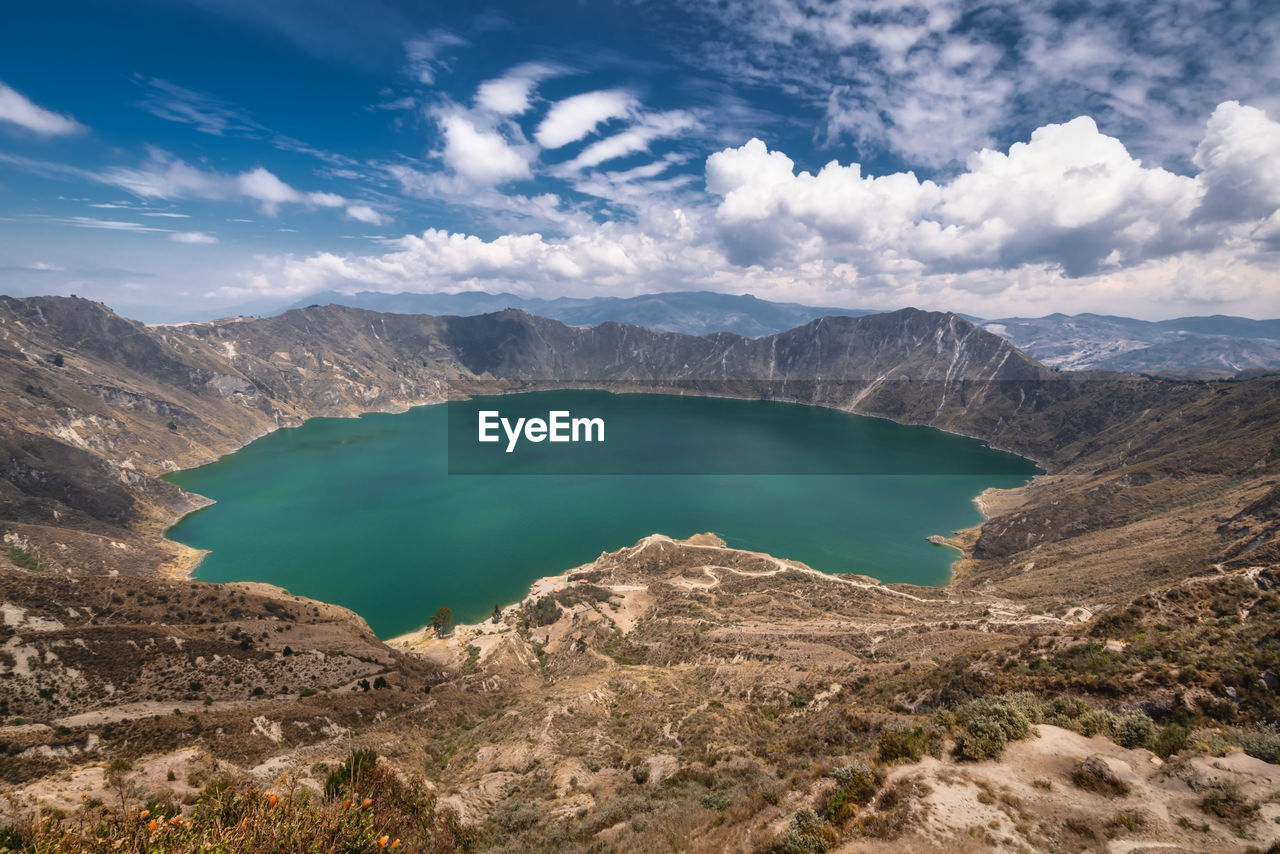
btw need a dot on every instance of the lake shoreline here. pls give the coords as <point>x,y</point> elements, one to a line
<point>194,562</point>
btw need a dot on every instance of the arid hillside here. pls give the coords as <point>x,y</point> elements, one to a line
<point>1101,674</point>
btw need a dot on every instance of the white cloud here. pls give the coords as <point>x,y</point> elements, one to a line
<point>107,224</point>
<point>510,94</point>
<point>1067,220</point>
<point>425,56</point>
<point>196,237</point>
<point>932,80</point>
<point>205,113</point>
<point>576,117</point>
<point>266,188</point>
<point>1239,159</point>
<point>479,155</point>
<point>165,177</point>
<point>364,213</point>
<point>634,139</point>
<point>212,115</point>
<point>1071,197</point>
<point>17,109</point>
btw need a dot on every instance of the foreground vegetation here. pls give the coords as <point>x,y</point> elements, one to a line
<point>366,808</point>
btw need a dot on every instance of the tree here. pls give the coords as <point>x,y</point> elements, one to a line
<point>497,613</point>
<point>442,622</point>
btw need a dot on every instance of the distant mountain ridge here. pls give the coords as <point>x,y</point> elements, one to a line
<point>1217,347</point>
<point>686,312</point>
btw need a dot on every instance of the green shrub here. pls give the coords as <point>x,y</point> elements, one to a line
<point>1012,712</point>
<point>1214,742</point>
<point>1064,712</point>
<point>807,834</point>
<point>895,810</point>
<point>981,738</point>
<point>1125,821</point>
<point>988,723</point>
<point>1262,742</point>
<point>1133,729</point>
<point>857,782</point>
<point>908,743</point>
<point>385,814</point>
<point>24,559</point>
<point>514,817</point>
<point>1169,740</point>
<point>1095,722</point>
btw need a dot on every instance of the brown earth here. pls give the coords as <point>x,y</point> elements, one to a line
<point>673,695</point>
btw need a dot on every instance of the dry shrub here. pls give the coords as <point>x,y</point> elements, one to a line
<point>894,809</point>
<point>1094,775</point>
<point>1227,802</point>
<point>374,813</point>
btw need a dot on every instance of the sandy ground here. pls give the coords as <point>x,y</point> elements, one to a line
<point>1011,803</point>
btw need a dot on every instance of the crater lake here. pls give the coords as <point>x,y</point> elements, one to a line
<point>394,515</point>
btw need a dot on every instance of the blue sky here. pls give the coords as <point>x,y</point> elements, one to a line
<point>191,158</point>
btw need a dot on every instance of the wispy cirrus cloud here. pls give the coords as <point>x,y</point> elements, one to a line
<point>106,224</point>
<point>634,139</point>
<point>931,80</point>
<point>427,55</point>
<point>163,176</point>
<point>206,113</point>
<point>198,238</point>
<point>189,237</point>
<point>17,109</point>
<point>209,114</point>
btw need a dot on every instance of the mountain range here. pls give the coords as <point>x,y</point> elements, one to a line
<point>686,312</point>
<point>1215,347</point>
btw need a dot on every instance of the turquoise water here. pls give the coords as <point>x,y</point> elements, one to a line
<point>364,512</point>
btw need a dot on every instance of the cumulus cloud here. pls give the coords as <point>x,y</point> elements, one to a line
<point>196,237</point>
<point>1239,162</point>
<point>1071,197</point>
<point>17,109</point>
<point>1066,218</point>
<point>578,116</point>
<point>480,155</point>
